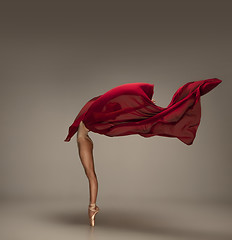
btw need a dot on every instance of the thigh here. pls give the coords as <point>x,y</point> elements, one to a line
<point>85,150</point>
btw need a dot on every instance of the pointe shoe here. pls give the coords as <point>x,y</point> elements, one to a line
<point>93,207</point>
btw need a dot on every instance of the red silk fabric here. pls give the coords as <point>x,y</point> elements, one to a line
<point>128,109</point>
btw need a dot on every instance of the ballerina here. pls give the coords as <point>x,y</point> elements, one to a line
<point>130,109</point>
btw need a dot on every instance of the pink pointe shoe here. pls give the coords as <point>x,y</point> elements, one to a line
<point>93,207</point>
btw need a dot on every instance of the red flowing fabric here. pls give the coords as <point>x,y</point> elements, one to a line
<point>128,109</point>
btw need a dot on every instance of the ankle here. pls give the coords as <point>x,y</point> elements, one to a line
<point>92,204</point>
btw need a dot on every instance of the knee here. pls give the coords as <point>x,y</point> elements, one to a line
<point>90,174</point>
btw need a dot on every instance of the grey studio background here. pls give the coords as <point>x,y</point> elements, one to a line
<point>56,55</point>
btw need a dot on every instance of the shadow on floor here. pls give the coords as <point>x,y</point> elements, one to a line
<point>117,220</point>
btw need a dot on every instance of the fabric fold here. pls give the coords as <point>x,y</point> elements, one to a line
<point>128,109</point>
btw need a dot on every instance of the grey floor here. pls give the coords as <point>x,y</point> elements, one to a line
<point>118,219</point>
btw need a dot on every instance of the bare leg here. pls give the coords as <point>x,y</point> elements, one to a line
<point>85,150</point>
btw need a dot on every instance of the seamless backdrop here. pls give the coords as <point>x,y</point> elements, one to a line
<point>56,55</point>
